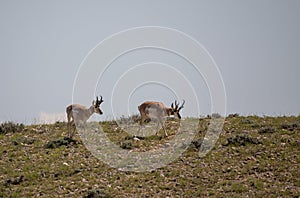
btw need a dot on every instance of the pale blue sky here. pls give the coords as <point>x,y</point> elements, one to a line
<point>255,44</point>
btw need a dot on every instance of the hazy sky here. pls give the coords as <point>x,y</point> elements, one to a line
<point>254,43</point>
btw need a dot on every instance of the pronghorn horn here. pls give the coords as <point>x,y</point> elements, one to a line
<point>182,105</point>
<point>101,100</point>
<point>176,104</point>
<point>97,101</point>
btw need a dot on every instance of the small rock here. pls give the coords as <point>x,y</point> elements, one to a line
<point>136,139</point>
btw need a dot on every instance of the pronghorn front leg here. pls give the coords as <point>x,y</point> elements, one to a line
<point>164,129</point>
<point>160,122</point>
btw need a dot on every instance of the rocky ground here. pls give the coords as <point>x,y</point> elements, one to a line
<point>254,156</point>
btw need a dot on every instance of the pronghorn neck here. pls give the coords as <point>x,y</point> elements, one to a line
<point>91,110</point>
<point>169,111</point>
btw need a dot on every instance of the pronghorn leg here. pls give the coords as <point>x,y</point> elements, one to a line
<point>159,122</point>
<point>140,127</point>
<point>69,132</point>
<point>68,128</point>
<point>162,125</point>
<point>157,127</point>
<point>141,123</point>
<point>164,130</point>
<point>71,128</point>
<point>69,117</point>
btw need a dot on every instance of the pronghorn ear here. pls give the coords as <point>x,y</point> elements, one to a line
<point>93,103</point>
<point>172,106</point>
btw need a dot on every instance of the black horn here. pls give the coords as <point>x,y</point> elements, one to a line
<point>101,100</point>
<point>182,105</point>
<point>176,104</point>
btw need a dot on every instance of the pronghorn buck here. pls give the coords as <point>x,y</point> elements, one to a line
<point>80,114</point>
<point>158,111</point>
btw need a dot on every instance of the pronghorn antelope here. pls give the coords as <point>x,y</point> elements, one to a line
<point>80,114</point>
<point>157,110</point>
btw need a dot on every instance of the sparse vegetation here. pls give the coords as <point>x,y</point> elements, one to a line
<point>268,129</point>
<point>253,157</point>
<point>60,142</point>
<point>10,127</point>
<point>242,140</point>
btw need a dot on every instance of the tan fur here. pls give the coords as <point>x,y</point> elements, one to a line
<point>157,110</point>
<point>80,114</point>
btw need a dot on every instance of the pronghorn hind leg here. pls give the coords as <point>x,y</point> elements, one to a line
<point>143,119</point>
<point>71,128</point>
<point>70,120</point>
<point>141,124</point>
<point>157,127</point>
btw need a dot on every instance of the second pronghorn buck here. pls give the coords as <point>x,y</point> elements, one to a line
<point>158,111</point>
<point>80,114</point>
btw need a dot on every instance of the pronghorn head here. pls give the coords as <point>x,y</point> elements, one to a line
<point>96,105</point>
<point>176,109</point>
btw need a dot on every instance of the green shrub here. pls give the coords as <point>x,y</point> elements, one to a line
<point>242,140</point>
<point>8,127</point>
<point>290,126</point>
<point>233,115</point>
<point>247,121</point>
<point>126,145</point>
<point>267,129</point>
<point>65,141</point>
<point>96,193</point>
